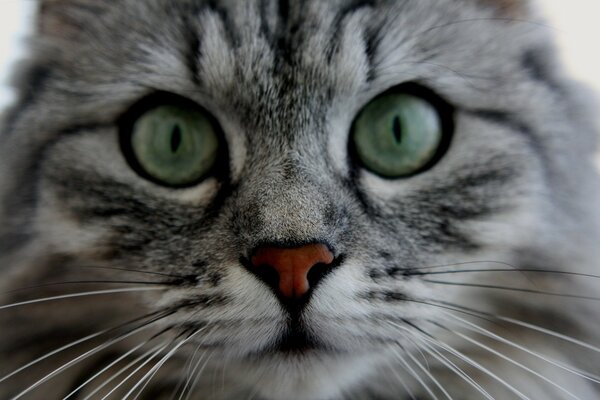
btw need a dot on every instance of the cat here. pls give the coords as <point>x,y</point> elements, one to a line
<point>345,199</point>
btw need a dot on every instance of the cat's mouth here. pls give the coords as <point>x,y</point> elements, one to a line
<point>297,341</point>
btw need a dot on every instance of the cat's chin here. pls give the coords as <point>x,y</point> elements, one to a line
<point>310,374</point>
<point>299,365</point>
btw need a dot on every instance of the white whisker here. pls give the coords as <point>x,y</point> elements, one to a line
<point>80,358</point>
<point>150,374</point>
<point>186,375</point>
<point>81,294</point>
<point>197,374</point>
<point>415,374</point>
<point>454,368</point>
<point>474,327</point>
<point>52,353</point>
<point>106,368</point>
<point>551,333</point>
<point>153,353</point>
<point>440,357</point>
<point>471,362</point>
<point>430,376</point>
<point>401,381</point>
<point>191,380</point>
<point>514,362</point>
<point>482,314</point>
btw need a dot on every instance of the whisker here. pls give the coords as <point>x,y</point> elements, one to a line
<point>467,79</point>
<point>512,289</point>
<point>393,368</point>
<point>454,368</point>
<point>473,363</point>
<point>482,314</point>
<point>192,377</point>
<point>510,360</point>
<point>121,371</point>
<point>429,375</point>
<point>48,355</point>
<point>417,271</point>
<point>152,354</point>
<point>451,307</point>
<point>458,264</point>
<point>160,283</point>
<point>106,368</point>
<point>497,19</point>
<point>75,343</point>
<point>186,375</point>
<point>418,348</point>
<point>81,294</point>
<point>481,368</point>
<point>115,362</point>
<point>196,375</point>
<point>145,380</point>
<point>412,372</point>
<point>139,271</point>
<point>189,372</point>
<point>87,354</point>
<point>485,332</point>
<point>510,268</point>
<point>155,368</point>
<point>533,270</point>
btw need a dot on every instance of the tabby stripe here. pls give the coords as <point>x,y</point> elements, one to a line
<point>233,37</point>
<point>338,23</point>
<point>508,120</point>
<point>265,29</point>
<point>534,62</point>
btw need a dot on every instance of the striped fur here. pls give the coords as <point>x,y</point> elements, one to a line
<point>475,279</point>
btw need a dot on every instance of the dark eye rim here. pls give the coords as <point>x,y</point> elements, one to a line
<point>126,122</point>
<point>445,111</point>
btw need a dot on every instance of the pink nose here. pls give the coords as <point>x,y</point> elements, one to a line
<point>292,265</point>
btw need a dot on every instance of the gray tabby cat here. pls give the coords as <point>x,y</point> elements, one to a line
<point>307,199</point>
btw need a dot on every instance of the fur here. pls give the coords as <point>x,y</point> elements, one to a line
<point>505,221</point>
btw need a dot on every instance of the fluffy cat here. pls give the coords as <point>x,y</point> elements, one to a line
<point>305,199</point>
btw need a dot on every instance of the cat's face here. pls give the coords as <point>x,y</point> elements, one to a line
<point>218,182</point>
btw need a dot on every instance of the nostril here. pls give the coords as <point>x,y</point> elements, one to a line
<point>267,274</point>
<point>292,271</point>
<point>320,271</point>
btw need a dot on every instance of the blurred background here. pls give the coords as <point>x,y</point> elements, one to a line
<point>576,24</point>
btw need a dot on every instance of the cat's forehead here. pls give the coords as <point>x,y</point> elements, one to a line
<point>323,47</point>
<point>279,61</point>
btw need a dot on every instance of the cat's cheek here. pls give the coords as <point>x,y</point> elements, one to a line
<point>240,317</point>
<point>60,227</point>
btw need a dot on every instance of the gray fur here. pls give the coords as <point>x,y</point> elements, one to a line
<point>285,80</point>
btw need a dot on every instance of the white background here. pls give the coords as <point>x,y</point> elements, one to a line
<point>575,23</point>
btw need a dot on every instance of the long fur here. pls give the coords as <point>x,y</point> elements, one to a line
<point>475,279</point>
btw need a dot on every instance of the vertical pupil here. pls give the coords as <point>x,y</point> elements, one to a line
<point>397,130</point>
<point>175,138</point>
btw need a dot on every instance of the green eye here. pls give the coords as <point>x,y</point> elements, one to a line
<point>398,135</point>
<point>173,145</point>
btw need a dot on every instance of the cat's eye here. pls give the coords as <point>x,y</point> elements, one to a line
<point>172,144</point>
<point>399,134</point>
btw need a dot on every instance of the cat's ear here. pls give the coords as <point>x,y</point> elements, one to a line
<point>66,19</point>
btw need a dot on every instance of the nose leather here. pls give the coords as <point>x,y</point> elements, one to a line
<point>293,265</point>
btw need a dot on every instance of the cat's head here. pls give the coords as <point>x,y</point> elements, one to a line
<point>293,192</point>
